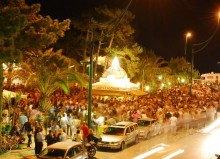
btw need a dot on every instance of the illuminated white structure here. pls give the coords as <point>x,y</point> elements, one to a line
<point>114,81</point>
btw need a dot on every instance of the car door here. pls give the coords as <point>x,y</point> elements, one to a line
<point>133,133</point>
<point>129,135</point>
<point>80,152</point>
<point>76,152</point>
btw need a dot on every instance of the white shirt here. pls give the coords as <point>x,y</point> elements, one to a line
<point>63,136</point>
<point>63,122</point>
<point>39,137</point>
<point>173,121</point>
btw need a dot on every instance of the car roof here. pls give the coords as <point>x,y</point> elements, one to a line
<point>147,119</point>
<point>123,124</point>
<point>64,145</point>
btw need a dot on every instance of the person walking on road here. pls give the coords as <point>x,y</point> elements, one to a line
<point>28,129</point>
<point>173,124</point>
<point>38,138</point>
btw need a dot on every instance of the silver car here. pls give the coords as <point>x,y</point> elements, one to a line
<point>119,135</point>
<point>64,150</point>
<point>148,127</point>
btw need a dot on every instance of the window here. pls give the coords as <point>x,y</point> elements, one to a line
<point>52,153</point>
<point>136,126</point>
<point>114,131</point>
<point>71,152</point>
<point>132,128</point>
<point>128,130</point>
<point>78,149</point>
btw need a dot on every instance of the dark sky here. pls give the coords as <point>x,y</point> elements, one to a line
<point>160,25</point>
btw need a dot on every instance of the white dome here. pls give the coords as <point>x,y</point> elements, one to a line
<point>115,70</point>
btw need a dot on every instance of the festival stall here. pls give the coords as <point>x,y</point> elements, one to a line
<point>11,94</point>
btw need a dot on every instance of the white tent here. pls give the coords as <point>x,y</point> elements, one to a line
<point>115,82</point>
<point>11,94</point>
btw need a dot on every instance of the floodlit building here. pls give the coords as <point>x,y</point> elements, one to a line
<point>210,77</point>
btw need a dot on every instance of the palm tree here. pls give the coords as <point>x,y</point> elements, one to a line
<point>150,67</point>
<point>47,72</point>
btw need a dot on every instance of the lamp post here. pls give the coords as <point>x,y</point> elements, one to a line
<point>143,79</point>
<point>188,35</point>
<point>90,63</point>
<point>90,82</point>
<point>199,47</point>
<point>191,71</point>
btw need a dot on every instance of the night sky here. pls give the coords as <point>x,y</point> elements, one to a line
<point>160,25</point>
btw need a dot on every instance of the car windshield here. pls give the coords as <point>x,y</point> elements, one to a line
<point>114,131</point>
<point>143,123</point>
<point>52,153</point>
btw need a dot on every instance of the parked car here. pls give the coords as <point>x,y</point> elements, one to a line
<point>119,135</point>
<point>63,150</point>
<point>148,127</point>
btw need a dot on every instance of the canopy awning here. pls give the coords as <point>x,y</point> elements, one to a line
<point>109,93</point>
<point>138,92</point>
<point>112,89</point>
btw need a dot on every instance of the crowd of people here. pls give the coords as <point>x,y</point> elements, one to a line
<point>175,107</point>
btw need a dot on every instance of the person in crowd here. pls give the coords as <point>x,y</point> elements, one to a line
<point>210,113</point>
<point>173,124</point>
<point>15,130</point>
<point>135,116</point>
<point>5,118</point>
<point>28,128</point>
<point>64,122</point>
<point>23,119</point>
<point>39,120</point>
<point>187,118</point>
<point>56,136</point>
<point>54,126</point>
<point>49,138</point>
<point>73,129</point>
<point>69,123</point>
<point>85,130</point>
<point>78,137</point>
<point>38,138</point>
<point>52,114</point>
<point>63,135</point>
<point>92,137</point>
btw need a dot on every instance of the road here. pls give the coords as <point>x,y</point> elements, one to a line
<point>198,145</point>
<point>194,145</point>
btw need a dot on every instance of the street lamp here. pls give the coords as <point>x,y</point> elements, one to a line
<point>188,35</point>
<point>199,47</point>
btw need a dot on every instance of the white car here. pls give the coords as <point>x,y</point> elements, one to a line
<point>119,135</point>
<point>148,127</point>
